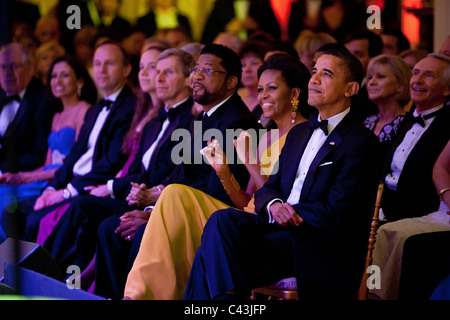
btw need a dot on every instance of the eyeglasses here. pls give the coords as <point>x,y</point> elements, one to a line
<point>205,71</point>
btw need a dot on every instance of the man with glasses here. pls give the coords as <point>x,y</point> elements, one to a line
<point>25,116</point>
<point>214,79</point>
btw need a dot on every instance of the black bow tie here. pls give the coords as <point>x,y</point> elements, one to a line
<point>9,99</point>
<point>421,119</point>
<point>313,123</point>
<point>164,114</point>
<point>106,103</point>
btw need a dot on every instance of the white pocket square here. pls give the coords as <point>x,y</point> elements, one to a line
<point>325,164</point>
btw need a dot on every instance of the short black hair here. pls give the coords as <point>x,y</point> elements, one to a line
<point>229,59</point>
<point>353,68</point>
<point>296,75</point>
<point>375,41</point>
<point>403,42</point>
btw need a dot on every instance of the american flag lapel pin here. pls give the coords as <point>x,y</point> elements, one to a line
<point>332,143</point>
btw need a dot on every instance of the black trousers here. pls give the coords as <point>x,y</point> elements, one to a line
<point>114,258</point>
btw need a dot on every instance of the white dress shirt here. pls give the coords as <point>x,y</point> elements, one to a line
<point>314,144</point>
<point>84,164</point>
<point>149,153</point>
<point>9,112</point>
<point>405,147</point>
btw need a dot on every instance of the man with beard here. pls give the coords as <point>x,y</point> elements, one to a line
<point>214,79</point>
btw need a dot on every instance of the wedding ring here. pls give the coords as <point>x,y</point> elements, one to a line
<point>129,238</point>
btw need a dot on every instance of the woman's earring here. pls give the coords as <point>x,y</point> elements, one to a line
<point>294,103</point>
<point>261,119</point>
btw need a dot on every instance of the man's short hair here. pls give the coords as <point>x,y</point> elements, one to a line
<point>187,61</point>
<point>27,56</point>
<point>352,67</point>
<point>125,57</point>
<point>402,41</point>
<point>375,41</point>
<point>446,71</point>
<point>229,58</point>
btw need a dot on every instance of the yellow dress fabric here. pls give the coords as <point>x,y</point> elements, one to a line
<point>173,235</point>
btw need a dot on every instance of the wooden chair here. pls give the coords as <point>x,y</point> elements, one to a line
<point>363,290</point>
<point>286,289</point>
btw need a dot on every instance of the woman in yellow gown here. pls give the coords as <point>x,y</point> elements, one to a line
<point>173,233</point>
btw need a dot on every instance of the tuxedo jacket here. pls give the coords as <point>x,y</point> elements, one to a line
<point>24,144</point>
<point>161,164</point>
<point>232,115</point>
<point>416,194</point>
<point>108,158</point>
<point>336,203</point>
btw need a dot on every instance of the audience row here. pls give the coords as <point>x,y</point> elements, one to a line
<point>148,193</point>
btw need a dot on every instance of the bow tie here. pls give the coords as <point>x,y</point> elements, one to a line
<point>421,119</point>
<point>313,123</point>
<point>9,99</point>
<point>106,103</point>
<point>163,114</point>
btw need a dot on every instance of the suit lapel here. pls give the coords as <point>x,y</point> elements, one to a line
<point>429,136</point>
<point>331,143</point>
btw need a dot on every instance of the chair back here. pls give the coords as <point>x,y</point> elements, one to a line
<point>363,288</point>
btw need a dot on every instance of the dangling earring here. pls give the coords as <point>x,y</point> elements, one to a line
<point>294,103</point>
<point>262,118</point>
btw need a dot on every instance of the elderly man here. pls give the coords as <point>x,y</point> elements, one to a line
<point>25,116</point>
<point>411,199</point>
<point>312,215</point>
<point>410,191</point>
<point>96,156</point>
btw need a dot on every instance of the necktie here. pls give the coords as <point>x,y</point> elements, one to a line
<point>9,99</point>
<point>421,119</point>
<point>313,123</point>
<point>106,103</point>
<point>164,114</point>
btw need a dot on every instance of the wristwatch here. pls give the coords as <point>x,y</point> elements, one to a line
<point>66,194</point>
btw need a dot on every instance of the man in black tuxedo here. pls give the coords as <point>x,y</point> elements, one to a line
<point>25,114</point>
<point>410,191</point>
<point>214,78</point>
<point>72,241</point>
<point>97,155</point>
<point>313,215</point>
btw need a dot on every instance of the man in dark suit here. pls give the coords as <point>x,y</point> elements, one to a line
<point>96,156</point>
<point>410,191</point>
<point>214,81</point>
<point>25,115</point>
<point>313,215</point>
<point>72,241</point>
